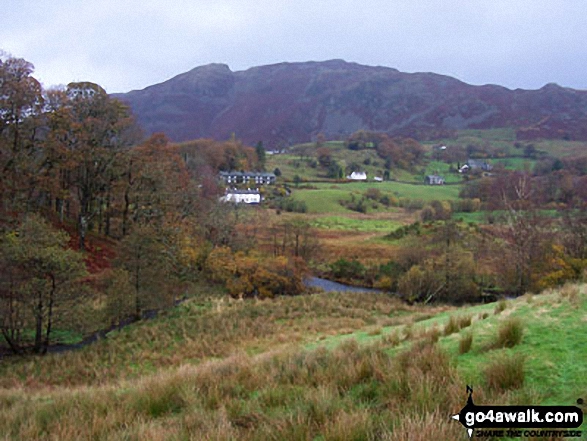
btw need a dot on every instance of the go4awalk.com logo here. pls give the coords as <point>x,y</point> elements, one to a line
<point>514,421</point>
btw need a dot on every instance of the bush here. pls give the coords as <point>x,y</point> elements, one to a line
<point>347,269</point>
<point>505,373</point>
<point>401,232</point>
<point>291,205</point>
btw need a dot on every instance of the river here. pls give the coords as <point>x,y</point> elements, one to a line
<point>329,285</point>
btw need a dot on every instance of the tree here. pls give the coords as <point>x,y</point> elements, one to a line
<point>261,155</point>
<point>522,233</point>
<point>21,104</point>
<point>144,255</point>
<point>295,238</point>
<point>100,130</point>
<point>38,272</point>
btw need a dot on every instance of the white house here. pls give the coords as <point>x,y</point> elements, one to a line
<point>434,180</point>
<point>242,196</point>
<point>235,177</point>
<point>357,176</point>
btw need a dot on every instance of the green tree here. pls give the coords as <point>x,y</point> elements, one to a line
<point>148,259</point>
<point>261,155</point>
<point>38,273</point>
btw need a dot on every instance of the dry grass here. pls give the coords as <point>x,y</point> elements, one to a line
<point>200,330</point>
<point>509,333</point>
<point>501,306</point>
<point>465,343</point>
<point>571,293</point>
<point>505,372</point>
<point>455,324</point>
<point>352,392</point>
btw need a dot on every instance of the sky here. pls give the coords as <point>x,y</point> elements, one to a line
<point>131,44</point>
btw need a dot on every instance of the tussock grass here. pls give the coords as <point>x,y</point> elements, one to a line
<point>214,327</point>
<point>455,324</point>
<point>351,392</point>
<point>509,333</point>
<point>505,372</point>
<point>571,293</point>
<point>465,343</point>
<point>501,306</point>
<point>393,389</point>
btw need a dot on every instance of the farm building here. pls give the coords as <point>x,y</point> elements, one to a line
<point>476,164</point>
<point>357,176</point>
<point>242,196</point>
<point>434,180</point>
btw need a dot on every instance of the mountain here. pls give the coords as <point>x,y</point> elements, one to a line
<point>292,102</point>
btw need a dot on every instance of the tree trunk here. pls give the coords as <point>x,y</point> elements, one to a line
<point>49,316</point>
<point>39,325</point>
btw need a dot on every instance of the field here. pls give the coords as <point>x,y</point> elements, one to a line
<point>304,165</point>
<point>325,197</point>
<point>320,367</point>
<point>505,139</point>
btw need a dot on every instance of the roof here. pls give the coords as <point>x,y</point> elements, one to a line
<point>236,191</point>
<point>252,174</point>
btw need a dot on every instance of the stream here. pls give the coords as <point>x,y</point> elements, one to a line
<point>329,285</point>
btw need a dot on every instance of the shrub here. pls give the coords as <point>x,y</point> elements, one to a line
<point>347,269</point>
<point>510,333</point>
<point>505,373</point>
<point>291,205</point>
<point>373,193</point>
<point>405,230</point>
<point>420,283</point>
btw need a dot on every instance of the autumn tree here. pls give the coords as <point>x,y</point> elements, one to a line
<point>295,238</point>
<point>100,130</point>
<point>38,272</point>
<point>522,232</point>
<point>143,254</point>
<point>156,185</point>
<point>21,104</point>
<point>254,275</point>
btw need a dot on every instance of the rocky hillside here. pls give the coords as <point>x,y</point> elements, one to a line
<point>293,102</point>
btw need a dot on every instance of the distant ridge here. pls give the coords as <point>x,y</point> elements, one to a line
<point>287,103</point>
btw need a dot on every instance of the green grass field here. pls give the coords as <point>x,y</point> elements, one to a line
<point>355,224</point>
<point>325,198</point>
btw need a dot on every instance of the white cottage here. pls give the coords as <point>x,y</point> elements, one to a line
<point>357,176</point>
<point>242,196</point>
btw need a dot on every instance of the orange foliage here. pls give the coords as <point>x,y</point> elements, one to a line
<point>254,275</point>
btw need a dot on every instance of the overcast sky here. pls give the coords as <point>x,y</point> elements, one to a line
<point>130,44</point>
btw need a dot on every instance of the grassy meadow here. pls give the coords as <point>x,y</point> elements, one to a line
<point>326,366</point>
<point>325,197</point>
